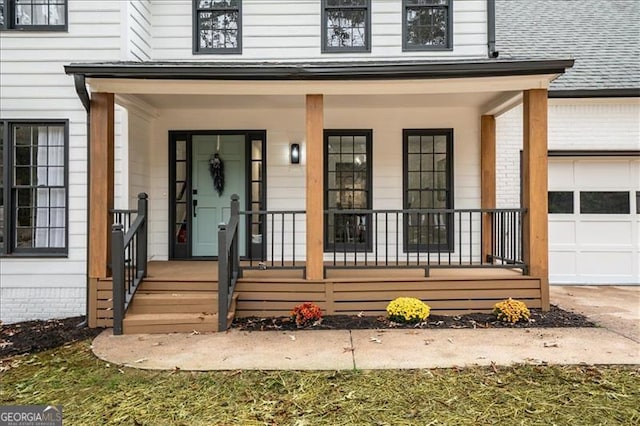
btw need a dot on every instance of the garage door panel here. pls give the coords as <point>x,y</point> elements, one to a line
<point>562,233</point>
<point>605,233</point>
<point>561,175</point>
<point>563,264</point>
<point>605,264</point>
<point>601,174</point>
<point>595,248</point>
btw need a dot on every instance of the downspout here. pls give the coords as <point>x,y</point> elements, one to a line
<point>491,29</point>
<point>83,94</point>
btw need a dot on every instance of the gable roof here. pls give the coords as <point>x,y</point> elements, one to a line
<point>603,36</point>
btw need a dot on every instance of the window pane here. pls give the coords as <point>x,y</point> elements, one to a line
<point>39,192</point>
<point>426,26</point>
<point>40,12</point>
<point>218,24</point>
<point>218,29</point>
<point>561,202</point>
<point>346,28</point>
<point>348,180</point>
<point>638,202</point>
<point>604,202</point>
<point>427,187</point>
<point>2,21</point>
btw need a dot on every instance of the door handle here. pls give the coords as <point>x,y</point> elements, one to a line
<point>195,207</point>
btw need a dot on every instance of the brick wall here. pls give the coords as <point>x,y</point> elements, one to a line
<point>20,304</point>
<point>573,124</point>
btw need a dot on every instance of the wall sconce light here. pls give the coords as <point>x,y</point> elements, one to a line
<point>294,153</point>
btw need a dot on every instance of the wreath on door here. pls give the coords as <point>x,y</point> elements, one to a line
<point>216,168</point>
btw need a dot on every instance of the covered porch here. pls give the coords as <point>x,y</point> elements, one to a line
<point>455,251</point>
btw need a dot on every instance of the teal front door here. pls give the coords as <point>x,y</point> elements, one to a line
<point>209,208</point>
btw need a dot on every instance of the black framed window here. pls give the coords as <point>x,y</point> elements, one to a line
<point>605,202</point>
<point>47,15</point>
<point>638,202</point>
<point>217,26</point>
<point>346,25</point>
<point>347,182</point>
<point>560,202</point>
<point>33,187</point>
<point>428,184</point>
<point>427,24</point>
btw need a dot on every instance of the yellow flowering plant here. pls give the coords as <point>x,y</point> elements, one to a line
<point>407,310</point>
<point>511,311</point>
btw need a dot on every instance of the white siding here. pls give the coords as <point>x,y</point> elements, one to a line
<point>290,30</point>
<point>286,182</point>
<point>139,162</point>
<point>139,29</point>
<point>34,86</point>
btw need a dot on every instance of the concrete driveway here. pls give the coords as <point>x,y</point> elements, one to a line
<point>616,308</point>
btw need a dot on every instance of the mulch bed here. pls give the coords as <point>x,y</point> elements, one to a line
<point>556,317</point>
<point>36,336</point>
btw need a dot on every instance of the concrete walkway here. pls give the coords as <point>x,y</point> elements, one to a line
<point>616,342</point>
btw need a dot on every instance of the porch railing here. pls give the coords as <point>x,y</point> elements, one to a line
<point>128,257</point>
<point>277,239</point>
<point>423,238</point>
<point>228,262</point>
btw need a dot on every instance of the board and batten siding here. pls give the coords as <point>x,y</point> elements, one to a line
<point>34,86</point>
<point>290,30</point>
<point>286,182</point>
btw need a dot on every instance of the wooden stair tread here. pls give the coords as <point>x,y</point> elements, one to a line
<point>179,297</point>
<point>171,318</point>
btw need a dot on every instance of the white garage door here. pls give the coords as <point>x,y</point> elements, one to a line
<point>594,220</point>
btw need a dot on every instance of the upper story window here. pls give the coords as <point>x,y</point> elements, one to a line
<point>217,26</point>
<point>47,15</point>
<point>427,25</point>
<point>346,25</point>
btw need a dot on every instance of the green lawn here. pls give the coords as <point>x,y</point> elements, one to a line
<point>93,392</point>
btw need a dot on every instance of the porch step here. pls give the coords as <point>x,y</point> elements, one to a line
<point>174,302</point>
<point>157,285</point>
<point>175,313</point>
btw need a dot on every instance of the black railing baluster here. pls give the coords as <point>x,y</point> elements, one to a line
<point>294,238</point>
<point>470,238</point>
<point>459,235</point>
<point>282,223</point>
<point>128,257</point>
<point>273,239</point>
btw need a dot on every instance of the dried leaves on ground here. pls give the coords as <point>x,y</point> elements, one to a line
<point>94,392</point>
<point>35,336</point>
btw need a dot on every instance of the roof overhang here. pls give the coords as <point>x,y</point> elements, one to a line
<point>502,79</point>
<point>348,70</point>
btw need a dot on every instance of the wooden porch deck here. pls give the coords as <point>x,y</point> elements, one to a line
<point>199,270</point>
<point>182,295</point>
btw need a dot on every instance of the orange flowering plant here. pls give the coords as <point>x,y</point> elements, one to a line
<point>306,314</point>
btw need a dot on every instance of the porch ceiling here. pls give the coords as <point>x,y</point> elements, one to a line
<point>474,100</point>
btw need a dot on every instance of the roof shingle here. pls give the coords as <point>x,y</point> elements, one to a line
<point>603,36</point>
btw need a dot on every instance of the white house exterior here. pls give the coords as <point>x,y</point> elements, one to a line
<point>594,134</point>
<point>391,79</point>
